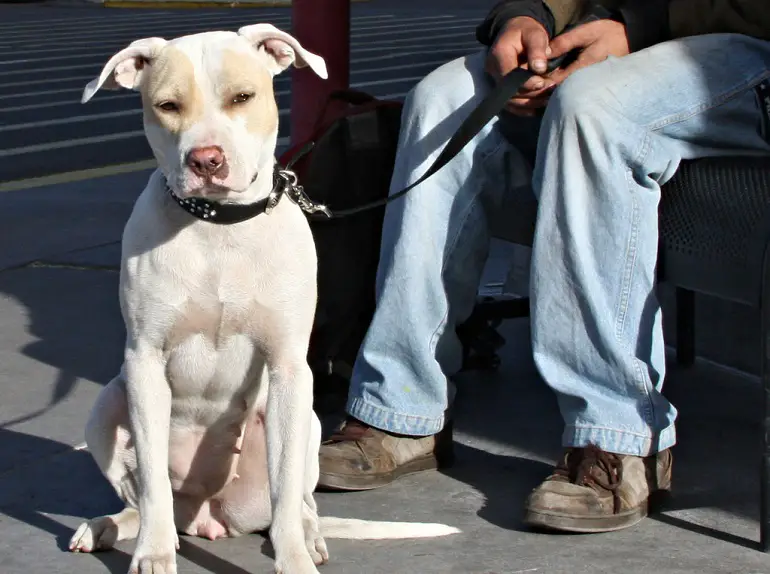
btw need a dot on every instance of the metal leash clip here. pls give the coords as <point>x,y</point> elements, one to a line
<point>296,193</point>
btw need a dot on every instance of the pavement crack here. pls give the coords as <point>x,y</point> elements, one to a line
<point>78,267</point>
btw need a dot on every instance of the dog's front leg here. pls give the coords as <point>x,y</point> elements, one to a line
<point>149,410</point>
<point>289,409</point>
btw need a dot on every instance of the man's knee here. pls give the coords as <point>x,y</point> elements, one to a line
<point>584,93</point>
<point>448,88</point>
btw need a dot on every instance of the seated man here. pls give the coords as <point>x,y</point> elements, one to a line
<point>616,127</point>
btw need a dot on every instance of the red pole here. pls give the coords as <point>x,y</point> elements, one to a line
<point>323,27</point>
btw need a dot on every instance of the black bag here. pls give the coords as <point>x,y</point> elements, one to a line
<point>350,164</point>
<point>347,165</point>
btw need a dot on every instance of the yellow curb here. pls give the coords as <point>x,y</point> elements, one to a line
<point>80,175</point>
<point>187,4</point>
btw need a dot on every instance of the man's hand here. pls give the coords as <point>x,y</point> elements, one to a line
<point>595,40</point>
<point>523,42</point>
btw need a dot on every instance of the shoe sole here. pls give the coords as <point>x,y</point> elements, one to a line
<point>350,482</point>
<point>591,524</point>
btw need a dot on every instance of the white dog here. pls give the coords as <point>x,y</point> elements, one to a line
<point>218,298</point>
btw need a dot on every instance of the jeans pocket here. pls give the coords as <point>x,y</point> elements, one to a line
<point>762,90</point>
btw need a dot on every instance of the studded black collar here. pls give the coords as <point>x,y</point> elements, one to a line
<point>284,183</point>
<point>228,213</point>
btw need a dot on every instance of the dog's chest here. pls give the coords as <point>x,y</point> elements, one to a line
<point>227,296</point>
<point>215,340</point>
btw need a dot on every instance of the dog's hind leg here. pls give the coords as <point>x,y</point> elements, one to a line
<point>109,442</point>
<point>102,533</point>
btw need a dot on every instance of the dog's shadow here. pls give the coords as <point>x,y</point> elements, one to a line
<point>69,483</point>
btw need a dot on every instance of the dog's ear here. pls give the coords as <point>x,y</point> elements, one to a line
<point>282,49</point>
<point>124,69</point>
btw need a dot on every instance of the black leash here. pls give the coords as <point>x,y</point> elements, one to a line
<point>285,180</point>
<point>489,107</point>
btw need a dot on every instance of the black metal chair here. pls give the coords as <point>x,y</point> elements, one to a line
<point>714,238</point>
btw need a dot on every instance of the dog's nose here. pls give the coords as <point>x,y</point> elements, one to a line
<point>206,161</point>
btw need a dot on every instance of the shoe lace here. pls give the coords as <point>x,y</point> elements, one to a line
<point>591,466</point>
<point>350,430</point>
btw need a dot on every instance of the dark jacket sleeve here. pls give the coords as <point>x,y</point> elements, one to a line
<point>646,22</point>
<point>503,11</point>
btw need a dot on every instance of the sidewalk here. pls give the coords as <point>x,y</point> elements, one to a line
<point>60,341</point>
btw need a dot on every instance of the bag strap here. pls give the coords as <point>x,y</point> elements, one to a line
<point>489,107</point>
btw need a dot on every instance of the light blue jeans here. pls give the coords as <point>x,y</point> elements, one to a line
<point>611,136</point>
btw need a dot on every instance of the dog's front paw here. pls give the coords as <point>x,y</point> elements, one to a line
<point>298,563</point>
<point>155,554</point>
<point>159,564</point>
<point>319,553</point>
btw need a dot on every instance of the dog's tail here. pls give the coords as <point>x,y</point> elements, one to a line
<point>354,529</point>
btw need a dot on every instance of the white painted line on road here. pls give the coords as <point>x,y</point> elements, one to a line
<point>159,29</point>
<point>121,96</point>
<point>69,120</point>
<point>93,173</point>
<point>461,47</point>
<point>236,18</point>
<point>69,143</point>
<point>145,18</point>
<point>167,25</point>
<point>138,18</point>
<point>86,44</point>
<point>458,48</point>
<point>98,56</point>
<point>106,22</point>
<point>45,81</point>
<point>132,112</point>
<point>112,97</point>
<point>82,118</point>
<point>355,45</point>
<point>187,29</point>
<point>370,70</point>
<point>87,78</point>
<point>80,175</point>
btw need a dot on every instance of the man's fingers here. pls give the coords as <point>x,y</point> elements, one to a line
<point>527,103</point>
<point>586,58</point>
<point>564,43</point>
<point>535,85</point>
<point>535,43</point>
<point>522,112</point>
<point>530,108</point>
<point>502,59</point>
<point>578,37</point>
<point>505,53</point>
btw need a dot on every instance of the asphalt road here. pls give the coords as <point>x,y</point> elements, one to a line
<point>48,54</point>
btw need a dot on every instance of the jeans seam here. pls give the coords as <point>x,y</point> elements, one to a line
<point>448,252</point>
<point>643,382</point>
<point>395,421</point>
<point>713,103</point>
<point>406,417</point>
<point>616,430</point>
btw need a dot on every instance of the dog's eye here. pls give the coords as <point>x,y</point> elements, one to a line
<point>168,106</point>
<point>242,98</point>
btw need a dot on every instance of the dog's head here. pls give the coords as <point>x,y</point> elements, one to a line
<point>209,110</point>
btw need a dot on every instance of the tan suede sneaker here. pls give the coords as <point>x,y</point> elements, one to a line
<point>595,491</point>
<point>360,457</point>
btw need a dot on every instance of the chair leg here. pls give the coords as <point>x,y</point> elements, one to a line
<point>685,327</point>
<point>764,476</point>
